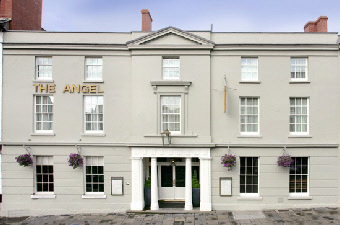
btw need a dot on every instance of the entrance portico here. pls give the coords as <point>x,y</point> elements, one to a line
<point>138,176</point>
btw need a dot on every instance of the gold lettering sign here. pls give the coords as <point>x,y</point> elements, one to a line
<point>50,88</point>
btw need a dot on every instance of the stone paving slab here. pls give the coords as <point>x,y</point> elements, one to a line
<point>315,216</point>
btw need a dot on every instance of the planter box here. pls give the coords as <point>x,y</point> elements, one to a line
<point>196,197</point>
<point>147,196</point>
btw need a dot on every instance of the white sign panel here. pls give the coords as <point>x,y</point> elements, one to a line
<point>117,186</point>
<point>225,186</point>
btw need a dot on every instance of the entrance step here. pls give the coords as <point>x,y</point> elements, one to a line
<point>171,204</point>
<point>166,211</point>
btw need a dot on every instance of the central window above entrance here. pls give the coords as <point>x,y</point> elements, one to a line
<point>171,114</point>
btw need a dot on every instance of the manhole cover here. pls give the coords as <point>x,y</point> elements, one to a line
<point>248,215</point>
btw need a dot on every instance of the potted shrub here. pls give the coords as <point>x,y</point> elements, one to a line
<point>228,160</point>
<point>24,160</point>
<point>285,161</point>
<point>75,160</point>
<point>196,197</point>
<point>147,192</point>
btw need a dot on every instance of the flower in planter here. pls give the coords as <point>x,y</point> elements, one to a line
<point>285,161</point>
<point>228,160</point>
<point>24,160</point>
<point>75,160</point>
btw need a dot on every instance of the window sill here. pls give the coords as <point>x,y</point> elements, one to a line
<point>250,198</point>
<point>93,134</point>
<point>93,196</point>
<point>93,81</point>
<point>172,136</point>
<point>43,134</point>
<point>37,196</point>
<point>250,82</point>
<point>299,82</point>
<point>300,198</point>
<point>300,136</point>
<point>249,136</point>
<point>43,81</point>
<point>170,83</point>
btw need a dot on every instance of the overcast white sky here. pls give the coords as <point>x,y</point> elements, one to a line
<point>225,15</point>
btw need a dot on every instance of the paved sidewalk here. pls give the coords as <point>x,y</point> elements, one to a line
<point>292,216</point>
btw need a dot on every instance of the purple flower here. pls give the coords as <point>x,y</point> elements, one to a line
<point>228,160</point>
<point>24,160</point>
<point>75,160</point>
<point>285,161</point>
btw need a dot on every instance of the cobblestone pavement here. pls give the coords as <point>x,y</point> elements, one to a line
<point>291,216</point>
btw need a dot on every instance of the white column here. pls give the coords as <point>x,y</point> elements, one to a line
<point>188,184</point>
<point>205,181</point>
<point>154,186</point>
<point>137,182</point>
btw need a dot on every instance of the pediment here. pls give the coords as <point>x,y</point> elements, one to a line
<point>170,36</point>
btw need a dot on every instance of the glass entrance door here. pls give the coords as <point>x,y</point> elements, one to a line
<point>172,182</point>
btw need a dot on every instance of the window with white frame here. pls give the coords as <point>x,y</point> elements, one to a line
<point>94,113</point>
<point>249,176</point>
<point>299,113</point>
<point>43,111</point>
<point>298,69</point>
<point>249,116</point>
<point>249,69</point>
<point>298,176</point>
<point>94,68</point>
<point>170,69</point>
<point>43,68</point>
<point>44,174</point>
<point>94,174</point>
<point>171,114</point>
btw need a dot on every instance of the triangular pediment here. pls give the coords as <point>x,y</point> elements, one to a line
<point>170,36</point>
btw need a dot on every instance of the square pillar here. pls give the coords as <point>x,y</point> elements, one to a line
<point>188,184</point>
<point>137,182</point>
<point>154,185</point>
<point>205,181</point>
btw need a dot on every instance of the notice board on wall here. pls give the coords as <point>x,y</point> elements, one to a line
<point>225,186</point>
<point>117,186</point>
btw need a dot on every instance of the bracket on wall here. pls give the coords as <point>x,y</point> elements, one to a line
<point>28,149</point>
<point>154,89</point>
<point>78,149</point>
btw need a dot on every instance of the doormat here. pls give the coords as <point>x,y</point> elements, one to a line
<point>173,205</point>
<point>248,215</point>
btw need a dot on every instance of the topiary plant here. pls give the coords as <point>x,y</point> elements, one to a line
<point>195,182</point>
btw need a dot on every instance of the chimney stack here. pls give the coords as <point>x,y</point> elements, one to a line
<point>146,20</point>
<point>320,25</point>
<point>23,15</point>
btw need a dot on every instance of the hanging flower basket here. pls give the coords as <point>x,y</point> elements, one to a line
<point>285,161</point>
<point>228,160</point>
<point>24,160</point>
<point>75,160</point>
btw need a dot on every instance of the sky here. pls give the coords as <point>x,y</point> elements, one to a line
<point>225,15</point>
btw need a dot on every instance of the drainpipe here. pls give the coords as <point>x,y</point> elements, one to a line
<point>1,66</point>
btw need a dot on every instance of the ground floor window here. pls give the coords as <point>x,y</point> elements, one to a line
<point>298,176</point>
<point>249,176</point>
<point>94,174</point>
<point>44,174</point>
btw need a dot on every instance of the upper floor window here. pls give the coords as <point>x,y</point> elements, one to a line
<point>298,176</point>
<point>94,69</point>
<point>249,176</point>
<point>170,69</point>
<point>44,174</point>
<point>299,113</point>
<point>249,116</point>
<point>171,114</point>
<point>298,69</point>
<point>249,69</point>
<point>43,114</point>
<point>94,113</point>
<point>43,68</point>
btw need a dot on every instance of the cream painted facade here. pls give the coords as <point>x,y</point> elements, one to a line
<point>130,143</point>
